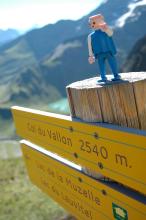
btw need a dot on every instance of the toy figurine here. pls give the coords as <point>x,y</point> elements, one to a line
<point>101,47</point>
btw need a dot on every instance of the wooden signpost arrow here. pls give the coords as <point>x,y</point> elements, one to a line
<point>83,196</point>
<point>110,150</point>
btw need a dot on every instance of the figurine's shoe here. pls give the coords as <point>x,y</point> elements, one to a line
<point>102,80</point>
<point>118,78</point>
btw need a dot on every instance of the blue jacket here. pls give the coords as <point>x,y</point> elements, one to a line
<point>102,43</point>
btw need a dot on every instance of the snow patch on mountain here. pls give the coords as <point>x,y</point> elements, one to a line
<point>131,8</point>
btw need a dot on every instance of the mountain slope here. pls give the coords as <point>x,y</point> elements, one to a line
<point>15,58</point>
<point>8,35</point>
<point>136,60</point>
<point>28,89</point>
<point>68,63</point>
<point>132,30</point>
<point>36,44</point>
<point>42,41</point>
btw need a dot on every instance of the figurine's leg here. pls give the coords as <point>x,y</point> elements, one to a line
<point>101,63</point>
<point>113,64</point>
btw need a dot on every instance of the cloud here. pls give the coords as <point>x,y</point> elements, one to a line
<point>25,16</point>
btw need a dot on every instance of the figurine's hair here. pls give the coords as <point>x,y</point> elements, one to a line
<point>98,16</point>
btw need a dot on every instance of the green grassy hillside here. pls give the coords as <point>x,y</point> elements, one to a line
<point>16,58</point>
<point>19,199</point>
<point>27,88</point>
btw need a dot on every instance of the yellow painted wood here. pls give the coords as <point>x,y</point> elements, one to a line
<point>84,197</point>
<point>117,154</point>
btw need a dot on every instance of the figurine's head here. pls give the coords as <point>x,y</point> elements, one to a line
<point>96,21</point>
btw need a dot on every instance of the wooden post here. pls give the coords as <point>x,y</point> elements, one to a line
<point>122,103</point>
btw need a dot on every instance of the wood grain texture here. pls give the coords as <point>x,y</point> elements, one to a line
<point>140,96</point>
<point>122,103</point>
<point>105,103</point>
<point>70,100</point>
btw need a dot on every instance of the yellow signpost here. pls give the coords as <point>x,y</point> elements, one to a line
<point>116,153</point>
<point>84,197</point>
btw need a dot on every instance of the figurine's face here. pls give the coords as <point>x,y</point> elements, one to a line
<point>96,22</point>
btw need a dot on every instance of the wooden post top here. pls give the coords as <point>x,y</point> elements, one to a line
<point>122,103</point>
<point>130,77</point>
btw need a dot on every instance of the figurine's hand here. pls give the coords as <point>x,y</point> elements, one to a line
<point>91,59</point>
<point>104,27</point>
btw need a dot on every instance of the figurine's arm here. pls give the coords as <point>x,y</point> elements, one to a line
<point>105,28</point>
<point>91,58</point>
<point>109,31</point>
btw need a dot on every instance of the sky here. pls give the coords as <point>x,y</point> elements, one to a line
<point>26,14</point>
